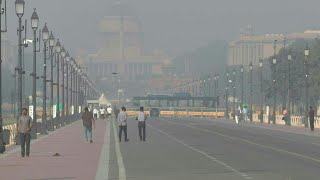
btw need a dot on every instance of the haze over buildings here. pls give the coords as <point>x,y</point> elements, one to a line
<point>176,26</point>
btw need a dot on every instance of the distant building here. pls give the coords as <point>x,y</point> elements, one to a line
<point>252,47</point>
<point>121,48</point>
<point>120,61</point>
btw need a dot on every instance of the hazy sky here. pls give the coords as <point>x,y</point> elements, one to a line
<point>175,26</point>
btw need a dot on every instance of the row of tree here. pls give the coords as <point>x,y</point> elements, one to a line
<point>300,65</point>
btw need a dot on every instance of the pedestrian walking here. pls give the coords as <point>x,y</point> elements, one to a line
<point>122,122</point>
<point>311,118</point>
<point>88,123</point>
<point>284,115</point>
<point>141,118</point>
<point>24,126</point>
<point>95,113</point>
<point>245,114</point>
<point>237,115</point>
<point>109,111</point>
<point>116,112</point>
<point>102,113</point>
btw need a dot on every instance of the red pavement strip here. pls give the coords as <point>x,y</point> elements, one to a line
<point>77,159</point>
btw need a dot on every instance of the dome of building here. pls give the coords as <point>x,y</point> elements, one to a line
<point>118,9</point>
<point>120,17</point>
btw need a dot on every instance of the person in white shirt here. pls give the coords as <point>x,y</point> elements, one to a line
<point>122,122</point>
<point>109,111</point>
<point>141,118</point>
<point>102,112</point>
<point>95,113</point>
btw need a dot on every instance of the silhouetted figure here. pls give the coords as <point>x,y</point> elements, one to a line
<point>311,118</point>
<point>88,122</point>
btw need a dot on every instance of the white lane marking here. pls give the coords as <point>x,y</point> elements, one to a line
<point>103,166</point>
<point>121,168</point>
<point>251,142</point>
<point>244,175</point>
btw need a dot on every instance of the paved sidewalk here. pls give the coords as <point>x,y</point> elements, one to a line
<point>77,160</point>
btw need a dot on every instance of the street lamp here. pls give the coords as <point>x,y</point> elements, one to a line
<point>3,11</point>
<point>227,88</point>
<point>19,7</point>
<point>274,62</point>
<point>196,88</point>
<point>200,87</point>
<point>63,55</point>
<point>45,38</point>
<point>251,110</point>
<point>79,89</point>
<point>234,93</point>
<point>218,95</point>
<point>67,58</point>
<point>34,25</point>
<point>58,50</point>
<point>306,54</point>
<point>241,70</point>
<point>51,45</point>
<point>71,84</point>
<point>204,88</point>
<point>289,79</point>
<point>209,86</point>
<point>215,91</point>
<point>261,91</point>
<point>73,88</point>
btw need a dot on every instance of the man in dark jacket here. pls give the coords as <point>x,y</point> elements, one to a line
<point>311,118</point>
<point>88,122</point>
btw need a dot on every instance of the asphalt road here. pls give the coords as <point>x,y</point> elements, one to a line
<point>184,148</point>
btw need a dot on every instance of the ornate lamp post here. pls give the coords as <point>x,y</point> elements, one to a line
<point>45,38</point>
<point>3,11</point>
<point>227,94</point>
<point>234,93</point>
<point>67,59</point>
<point>289,79</point>
<point>34,25</point>
<point>251,93</point>
<point>306,54</point>
<point>241,71</point>
<point>63,55</point>
<point>209,86</point>
<point>19,7</point>
<point>261,91</point>
<point>58,50</point>
<point>51,45</point>
<point>274,62</point>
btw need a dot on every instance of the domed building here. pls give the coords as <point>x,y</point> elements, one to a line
<point>121,48</point>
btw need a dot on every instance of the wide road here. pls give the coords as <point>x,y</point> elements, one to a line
<point>185,148</point>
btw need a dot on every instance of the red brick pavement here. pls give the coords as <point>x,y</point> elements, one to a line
<point>77,159</point>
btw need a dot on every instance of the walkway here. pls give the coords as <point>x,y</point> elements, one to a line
<point>77,160</point>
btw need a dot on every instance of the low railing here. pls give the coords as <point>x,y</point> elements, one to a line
<point>184,112</point>
<point>295,120</point>
<point>10,131</point>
